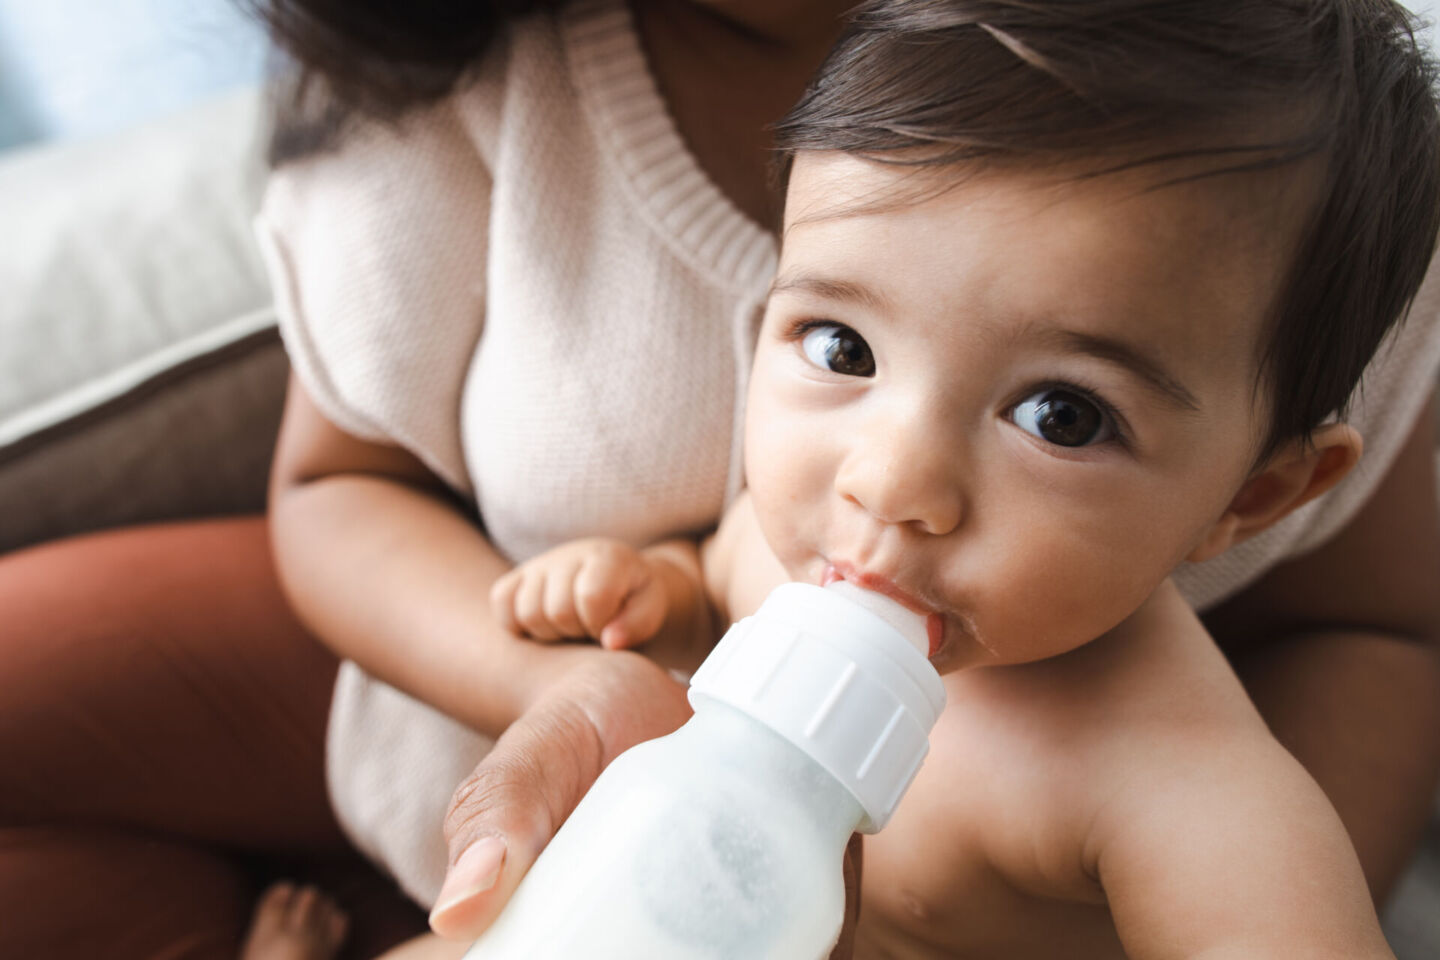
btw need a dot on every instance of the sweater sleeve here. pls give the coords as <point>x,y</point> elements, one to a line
<point>377,256</point>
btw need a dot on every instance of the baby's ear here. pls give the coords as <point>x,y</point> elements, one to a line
<point>1292,477</point>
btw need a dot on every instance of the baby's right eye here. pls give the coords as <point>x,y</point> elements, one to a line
<point>837,348</point>
<point>1065,418</point>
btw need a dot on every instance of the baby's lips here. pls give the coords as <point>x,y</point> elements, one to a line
<point>934,622</point>
<point>935,629</point>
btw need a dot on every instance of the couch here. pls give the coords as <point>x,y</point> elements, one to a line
<point>141,378</point>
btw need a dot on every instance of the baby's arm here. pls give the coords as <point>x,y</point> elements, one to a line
<point>1208,839</point>
<point>1340,650</point>
<point>1230,850</point>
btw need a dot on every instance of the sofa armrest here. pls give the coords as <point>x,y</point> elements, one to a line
<point>140,375</point>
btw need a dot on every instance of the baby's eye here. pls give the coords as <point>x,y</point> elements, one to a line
<point>1064,418</point>
<point>837,348</point>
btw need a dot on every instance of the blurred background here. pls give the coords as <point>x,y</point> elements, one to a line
<point>79,68</point>
<point>82,68</point>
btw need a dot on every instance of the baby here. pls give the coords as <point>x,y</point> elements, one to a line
<point>1067,298</point>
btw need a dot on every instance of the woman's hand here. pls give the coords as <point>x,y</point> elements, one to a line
<point>505,812</point>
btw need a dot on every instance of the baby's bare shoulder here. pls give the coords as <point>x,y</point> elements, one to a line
<point>1060,747</point>
<point>1026,759</point>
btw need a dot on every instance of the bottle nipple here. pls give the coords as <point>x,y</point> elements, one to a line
<point>911,625</point>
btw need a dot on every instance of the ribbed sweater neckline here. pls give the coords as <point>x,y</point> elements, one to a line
<point>620,95</point>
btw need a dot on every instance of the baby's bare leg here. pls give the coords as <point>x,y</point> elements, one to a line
<point>293,923</point>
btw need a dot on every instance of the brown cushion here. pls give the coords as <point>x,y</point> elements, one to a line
<point>194,440</point>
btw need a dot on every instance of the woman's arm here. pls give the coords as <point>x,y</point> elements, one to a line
<point>384,565</point>
<point>1338,649</point>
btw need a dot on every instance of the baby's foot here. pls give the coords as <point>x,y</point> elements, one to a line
<point>294,924</point>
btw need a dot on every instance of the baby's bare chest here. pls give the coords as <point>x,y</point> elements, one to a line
<point>994,851</point>
<point>986,855</point>
<point>974,913</point>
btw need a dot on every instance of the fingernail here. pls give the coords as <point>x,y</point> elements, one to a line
<point>473,874</point>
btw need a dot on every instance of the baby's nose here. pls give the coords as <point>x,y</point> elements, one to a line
<point>904,474</point>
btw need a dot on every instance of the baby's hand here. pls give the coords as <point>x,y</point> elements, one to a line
<point>599,588</point>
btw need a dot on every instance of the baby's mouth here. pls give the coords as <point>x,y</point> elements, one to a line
<point>934,622</point>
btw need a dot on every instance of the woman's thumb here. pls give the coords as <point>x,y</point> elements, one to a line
<point>507,810</point>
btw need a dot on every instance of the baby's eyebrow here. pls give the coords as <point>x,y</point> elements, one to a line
<point>1126,355</point>
<point>1119,352</point>
<point>845,291</point>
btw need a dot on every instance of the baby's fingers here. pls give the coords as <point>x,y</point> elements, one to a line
<point>602,585</point>
<point>529,606</point>
<point>558,600</point>
<point>502,600</point>
<point>640,619</point>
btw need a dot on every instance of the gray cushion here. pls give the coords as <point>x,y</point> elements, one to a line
<point>140,377</point>
<point>1412,919</point>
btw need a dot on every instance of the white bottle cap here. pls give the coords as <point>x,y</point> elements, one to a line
<point>842,674</point>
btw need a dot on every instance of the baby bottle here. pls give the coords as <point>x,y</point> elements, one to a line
<point>724,840</point>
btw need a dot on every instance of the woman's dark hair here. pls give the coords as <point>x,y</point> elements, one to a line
<point>371,58</point>
<point>1236,85</point>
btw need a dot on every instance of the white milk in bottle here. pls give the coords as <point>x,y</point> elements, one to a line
<point>724,840</point>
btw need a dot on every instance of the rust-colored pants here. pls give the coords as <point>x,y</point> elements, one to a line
<point>162,729</point>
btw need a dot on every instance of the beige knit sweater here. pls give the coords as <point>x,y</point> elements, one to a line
<point>535,289</point>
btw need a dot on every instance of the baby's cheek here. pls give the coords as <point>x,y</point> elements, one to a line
<point>784,528</point>
<point>780,530</point>
<point>1062,596</point>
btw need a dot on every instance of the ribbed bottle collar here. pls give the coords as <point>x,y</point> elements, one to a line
<point>619,94</point>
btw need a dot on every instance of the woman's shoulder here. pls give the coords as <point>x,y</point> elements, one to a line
<point>391,218</point>
<point>408,177</point>
<point>378,173</point>
<point>376,254</point>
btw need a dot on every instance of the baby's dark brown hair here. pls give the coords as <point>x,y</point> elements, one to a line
<point>1340,86</point>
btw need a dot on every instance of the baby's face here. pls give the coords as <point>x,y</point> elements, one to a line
<point>1019,403</point>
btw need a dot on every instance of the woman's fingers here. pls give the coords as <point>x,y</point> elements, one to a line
<point>854,861</point>
<point>505,813</point>
<point>508,809</point>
